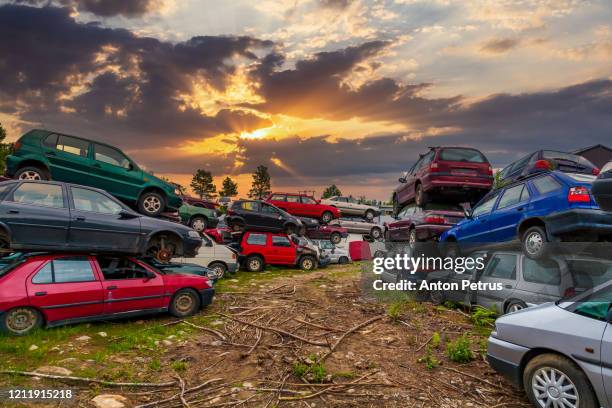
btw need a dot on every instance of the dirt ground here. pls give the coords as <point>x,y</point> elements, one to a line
<point>301,339</point>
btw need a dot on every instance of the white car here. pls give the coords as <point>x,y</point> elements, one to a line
<point>350,206</point>
<point>337,254</point>
<point>217,257</point>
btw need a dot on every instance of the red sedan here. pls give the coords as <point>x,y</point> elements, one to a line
<point>302,205</point>
<point>332,232</point>
<point>54,289</point>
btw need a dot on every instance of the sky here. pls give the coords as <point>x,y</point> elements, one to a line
<point>320,91</point>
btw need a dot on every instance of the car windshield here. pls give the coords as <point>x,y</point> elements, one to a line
<point>8,263</point>
<point>462,155</point>
<point>567,158</point>
<point>594,303</point>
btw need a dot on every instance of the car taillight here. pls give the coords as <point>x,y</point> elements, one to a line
<point>433,167</point>
<point>435,220</point>
<point>543,164</point>
<point>595,171</point>
<point>569,292</point>
<point>230,212</point>
<point>578,195</point>
<point>490,171</point>
<point>234,256</point>
<point>16,146</point>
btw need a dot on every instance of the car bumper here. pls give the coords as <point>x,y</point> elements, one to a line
<point>206,296</point>
<point>174,202</point>
<point>426,232</point>
<point>505,358</point>
<point>458,182</point>
<point>581,219</point>
<point>11,165</point>
<point>191,247</point>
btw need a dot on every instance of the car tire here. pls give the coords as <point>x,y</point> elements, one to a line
<point>412,238</point>
<point>420,197</point>
<point>237,226</point>
<point>537,382</point>
<point>335,238</point>
<point>376,233</point>
<point>326,217</point>
<point>369,215</point>
<point>219,268</point>
<point>32,173</point>
<point>396,206</point>
<point>20,321</point>
<point>535,243</point>
<point>307,263</point>
<point>198,223</point>
<point>343,260</point>
<point>254,263</point>
<point>436,297</point>
<point>185,302</point>
<point>151,203</point>
<point>515,306</point>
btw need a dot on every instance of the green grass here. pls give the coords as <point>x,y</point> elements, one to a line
<point>429,360</point>
<point>316,370</point>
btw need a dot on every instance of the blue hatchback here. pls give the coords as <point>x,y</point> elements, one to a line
<point>541,208</point>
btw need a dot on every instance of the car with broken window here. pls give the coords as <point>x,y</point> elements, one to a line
<point>350,206</point>
<point>47,155</point>
<point>303,205</point>
<point>55,216</point>
<point>52,289</point>
<point>258,249</point>
<point>256,215</point>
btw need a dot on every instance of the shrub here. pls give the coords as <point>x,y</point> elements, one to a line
<point>483,317</point>
<point>460,350</point>
<point>429,360</point>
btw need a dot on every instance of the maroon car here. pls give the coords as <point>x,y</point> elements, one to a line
<point>198,202</point>
<point>459,173</point>
<point>332,232</point>
<point>416,224</point>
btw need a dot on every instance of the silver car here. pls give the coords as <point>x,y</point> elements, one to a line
<point>560,353</point>
<point>359,226</point>
<point>350,206</point>
<point>337,255</point>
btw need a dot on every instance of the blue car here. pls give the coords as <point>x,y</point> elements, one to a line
<point>540,208</point>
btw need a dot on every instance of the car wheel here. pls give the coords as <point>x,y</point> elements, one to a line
<point>151,203</point>
<point>219,268</point>
<point>436,297</point>
<point>198,223</point>
<point>379,254</point>
<point>535,242</point>
<point>343,260</point>
<point>420,197</point>
<point>376,233</point>
<point>515,306</point>
<point>184,303</point>
<point>237,227</point>
<point>326,217</point>
<point>335,238</point>
<point>551,380</point>
<point>254,263</point>
<point>307,263</point>
<point>369,215</point>
<point>20,321</point>
<point>412,238</point>
<point>32,173</point>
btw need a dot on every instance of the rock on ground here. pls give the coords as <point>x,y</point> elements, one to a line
<point>109,401</point>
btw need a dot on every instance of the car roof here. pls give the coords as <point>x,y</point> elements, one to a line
<point>52,132</point>
<point>294,194</point>
<point>57,182</point>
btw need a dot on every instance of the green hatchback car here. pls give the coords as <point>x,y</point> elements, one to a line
<point>198,218</point>
<point>46,155</point>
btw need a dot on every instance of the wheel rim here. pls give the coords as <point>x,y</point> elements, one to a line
<point>30,175</point>
<point>327,217</point>
<point>254,264</point>
<point>335,239</point>
<point>307,263</point>
<point>164,255</point>
<point>412,238</point>
<point>198,224</point>
<point>151,204</point>
<point>376,233</point>
<point>515,308</point>
<point>21,320</point>
<point>183,303</point>
<point>552,388</point>
<point>534,242</point>
<point>219,271</point>
<point>370,215</point>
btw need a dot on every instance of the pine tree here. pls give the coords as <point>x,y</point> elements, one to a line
<point>230,188</point>
<point>5,149</point>
<point>260,187</point>
<point>331,191</point>
<point>202,184</point>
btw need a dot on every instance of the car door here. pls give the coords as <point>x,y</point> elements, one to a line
<point>114,172</point>
<point>477,228</point>
<point>541,281</point>
<point>309,207</point>
<point>544,191</point>
<point>500,269</point>
<point>100,222</point>
<point>508,212</point>
<point>403,224</point>
<point>271,217</point>
<point>606,360</point>
<point>66,287</point>
<point>128,286</point>
<point>68,158</point>
<point>37,215</point>
<point>283,252</point>
<point>406,189</point>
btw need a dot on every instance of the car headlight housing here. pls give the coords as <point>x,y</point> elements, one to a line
<point>177,191</point>
<point>193,234</point>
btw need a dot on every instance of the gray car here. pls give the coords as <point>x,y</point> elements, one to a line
<point>350,206</point>
<point>560,353</point>
<point>337,255</point>
<point>359,226</point>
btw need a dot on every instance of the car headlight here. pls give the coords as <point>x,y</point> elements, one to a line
<point>177,191</point>
<point>193,234</point>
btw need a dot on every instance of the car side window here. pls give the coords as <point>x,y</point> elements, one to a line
<point>342,199</point>
<point>257,239</point>
<point>51,140</point>
<point>106,154</point>
<point>250,206</point>
<point>427,159</point>
<point>519,164</point>
<point>280,241</point>
<point>293,199</point>
<point>4,188</point>
<point>485,207</point>
<point>65,270</point>
<point>89,200</point>
<point>511,196</point>
<point>72,145</point>
<point>416,166</point>
<point>279,197</point>
<point>268,209</point>
<point>308,200</point>
<point>525,196</point>
<point>546,184</point>
<point>114,268</point>
<point>48,195</point>
<point>502,266</point>
<point>546,272</point>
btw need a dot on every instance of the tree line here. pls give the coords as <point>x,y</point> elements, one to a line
<point>202,184</point>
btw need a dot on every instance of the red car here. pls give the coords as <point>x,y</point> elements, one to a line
<point>200,202</point>
<point>260,248</point>
<point>302,205</point>
<point>414,224</point>
<point>332,232</point>
<point>452,172</point>
<point>53,289</point>
<point>220,235</point>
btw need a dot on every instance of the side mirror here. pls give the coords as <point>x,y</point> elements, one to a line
<point>150,275</point>
<point>402,179</point>
<point>467,213</point>
<point>125,214</point>
<point>131,167</point>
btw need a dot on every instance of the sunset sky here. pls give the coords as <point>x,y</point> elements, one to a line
<point>321,92</point>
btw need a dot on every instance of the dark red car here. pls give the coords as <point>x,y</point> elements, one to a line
<point>332,232</point>
<point>415,224</point>
<point>220,235</point>
<point>459,173</point>
<point>200,202</point>
<point>260,248</point>
<point>302,205</point>
<point>53,289</point>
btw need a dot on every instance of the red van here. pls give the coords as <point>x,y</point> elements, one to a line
<point>56,289</point>
<point>302,205</point>
<point>260,248</point>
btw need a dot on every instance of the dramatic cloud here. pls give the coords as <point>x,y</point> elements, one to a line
<point>105,8</point>
<point>499,45</point>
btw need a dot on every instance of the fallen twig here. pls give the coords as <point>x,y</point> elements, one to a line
<point>354,329</point>
<point>207,329</point>
<point>187,391</point>
<point>86,380</point>
<point>182,393</point>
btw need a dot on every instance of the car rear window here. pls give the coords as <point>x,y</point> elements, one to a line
<point>11,262</point>
<point>280,241</point>
<point>589,273</point>
<point>462,155</point>
<point>546,184</point>
<point>250,206</point>
<point>566,157</point>
<point>257,239</point>
<point>65,270</point>
<point>581,178</point>
<point>442,207</point>
<point>502,266</point>
<point>546,272</point>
